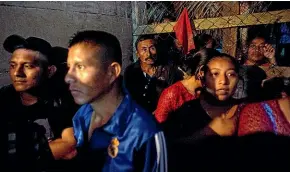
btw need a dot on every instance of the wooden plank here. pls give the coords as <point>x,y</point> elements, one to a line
<point>277,71</point>
<point>230,35</point>
<point>155,28</point>
<point>269,17</point>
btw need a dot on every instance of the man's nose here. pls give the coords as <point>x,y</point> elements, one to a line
<point>69,78</point>
<point>19,71</point>
<point>148,52</point>
<point>223,79</point>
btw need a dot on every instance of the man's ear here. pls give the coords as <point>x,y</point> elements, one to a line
<point>114,71</point>
<point>51,70</point>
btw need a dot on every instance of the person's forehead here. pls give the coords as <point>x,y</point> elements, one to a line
<point>146,42</point>
<point>25,54</point>
<point>86,46</point>
<point>258,41</point>
<point>221,62</point>
<point>84,52</point>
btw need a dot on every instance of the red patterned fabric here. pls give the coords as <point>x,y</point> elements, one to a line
<point>254,118</point>
<point>171,99</point>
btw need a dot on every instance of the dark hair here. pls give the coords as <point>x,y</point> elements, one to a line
<point>202,39</point>
<point>222,55</point>
<point>191,63</point>
<point>107,41</point>
<point>250,39</point>
<point>143,38</point>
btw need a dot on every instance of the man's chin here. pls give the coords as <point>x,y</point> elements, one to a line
<point>80,101</point>
<point>19,88</point>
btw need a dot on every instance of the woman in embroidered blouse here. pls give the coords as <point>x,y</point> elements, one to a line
<point>183,91</point>
<point>216,113</point>
<point>213,113</point>
<point>267,116</point>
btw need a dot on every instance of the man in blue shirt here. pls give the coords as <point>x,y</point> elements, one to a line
<point>112,132</point>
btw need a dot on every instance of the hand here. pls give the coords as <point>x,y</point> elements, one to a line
<point>223,125</point>
<point>269,53</point>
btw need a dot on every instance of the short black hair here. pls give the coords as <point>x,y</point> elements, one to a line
<point>143,38</point>
<point>250,39</point>
<point>106,40</point>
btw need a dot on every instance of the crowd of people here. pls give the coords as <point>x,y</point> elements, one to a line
<point>72,109</point>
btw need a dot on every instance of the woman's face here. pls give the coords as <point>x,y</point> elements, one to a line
<point>221,78</point>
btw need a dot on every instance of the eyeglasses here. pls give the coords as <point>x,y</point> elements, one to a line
<point>253,46</point>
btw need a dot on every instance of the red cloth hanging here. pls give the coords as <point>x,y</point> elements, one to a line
<point>184,32</point>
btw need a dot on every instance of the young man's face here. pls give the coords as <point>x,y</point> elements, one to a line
<point>87,76</point>
<point>256,50</point>
<point>26,69</point>
<point>146,51</point>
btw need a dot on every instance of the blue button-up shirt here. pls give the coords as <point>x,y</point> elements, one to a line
<point>136,131</point>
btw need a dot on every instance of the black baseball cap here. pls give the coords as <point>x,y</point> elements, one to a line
<point>14,42</point>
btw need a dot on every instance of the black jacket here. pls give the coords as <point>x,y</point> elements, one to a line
<point>146,91</point>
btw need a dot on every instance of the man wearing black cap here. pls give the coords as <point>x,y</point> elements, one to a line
<point>26,100</point>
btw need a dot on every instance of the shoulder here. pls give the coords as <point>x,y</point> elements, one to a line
<point>258,108</point>
<point>249,70</point>
<point>260,104</point>
<point>132,72</point>
<point>141,119</point>
<point>8,95</point>
<point>141,124</point>
<point>7,89</point>
<point>133,67</point>
<point>172,90</point>
<point>251,106</point>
